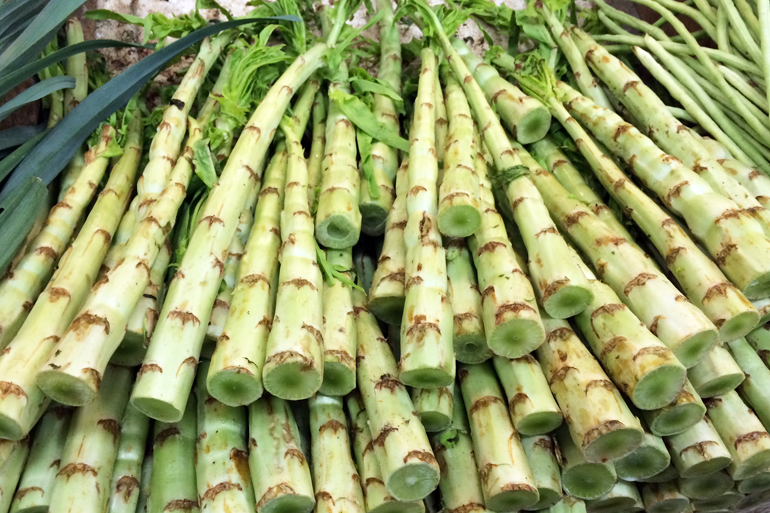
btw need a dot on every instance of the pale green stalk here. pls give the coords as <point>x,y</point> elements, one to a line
<point>279,467</point>
<point>336,481</point>
<point>179,334</point>
<point>670,474</point>
<point>442,124</point>
<point>77,68</point>
<point>221,462</point>
<point>600,422</point>
<point>663,498</point>
<point>125,484</point>
<point>684,412</point>
<point>725,502</point>
<point>173,484</point>
<point>746,27</point>
<point>757,483</point>
<point>581,478</point>
<point>339,329</point>
<point>746,87</point>
<point>545,469</point>
<point>37,480</point>
<point>647,460</point>
<point>409,469</point>
<point>20,288</point>
<point>531,405</point>
<point>760,341</point>
<point>294,358</point>
<point>338,219</point>
<point>84,351</point>
<point>698,451</point>
<point>746,438</point>
<point>211,106</point>
<point>623,497</point>
<point>705,487</point>
<point>506,478</point>
<point>65,294</point>
<point>142,505</point>
<point>427,353</point>
<point>763,13</point>
<point>433,406</point>
<point>83,481</point>
<point>316,148</point>
<point>632,21</point>
<point>753,388</point>
<point>10,472</point>
<point>568,505</point>
<point>235,375</point>
<point>754,180</point>
<point>716,374</point>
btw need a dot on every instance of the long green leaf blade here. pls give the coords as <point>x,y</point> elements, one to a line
<point>16,136</point>
<point>37,91</point>
<point>10,162</point>
<point>13,231</point>
<point>14,12</point>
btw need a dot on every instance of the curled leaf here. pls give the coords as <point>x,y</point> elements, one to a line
<point>367,163</point>
<point>358,113</point>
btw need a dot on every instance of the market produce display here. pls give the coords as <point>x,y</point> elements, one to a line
<point>312,271</point>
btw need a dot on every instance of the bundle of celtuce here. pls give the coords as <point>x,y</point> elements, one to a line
<point>340,275</point>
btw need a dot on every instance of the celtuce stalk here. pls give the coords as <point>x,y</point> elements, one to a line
<point>339,328</point>
<point>623,497</point>
<point>316,148</point>
<point>532,407</point>
<point>88,459</point>
<point>509,312</point>
<point>703,282</point>
<point>21,287</point>
<point>525,117</point>
<point>173,484</point>
<point>760,341</point>
<point>427,354</point>
<point>684,412</point>
<point>433,406</point>
<point>442,124</point>
<point>387,293</point>
<point>37,480</point>
<point>545,469</point>
<point>746,438</point>
<point>468,337</point>
<point>409,469</point>
<point>294,359</point>
<point>506,477</point>
<point>664,498</point>
<point>221,460</point>
<point>458,201</point>
<point>376,495</point>
<point>757,483</point>
<point>63,297</point>
<point>568,505</point>
<point>757,381</point>
<point>698,451</point>
<point>601,424</point>
<point>179,334</point>
<point>716,374</point>
<point>338,219</point>
<point>142,505</point>
<point>126,475</point>
<point>754,180</point>
<point>670,474</point>
<point>11,469</point>
<point>375,211</point>
<point>335,478</point>
<point>726,501</point>
<point>647,460</point>
<point>235,375</point>
<point>77,68</point>
<point>705,487</point>
<point>581,478</point>
<point>278,465</point>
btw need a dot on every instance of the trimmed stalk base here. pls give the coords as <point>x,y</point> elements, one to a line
<point>337,232</point>
<point>288,504</point>
<point>533,126</point>
<point>516,338</point>
<point>567,302</point>
<point>373,218</point>
<point>693,349</point>
<point>613,445</point>
<point>157,409</point>
<point>669,474</point>
<point>705,487</point>
<point>643,463</point>
<point>66,389</point>
<point>389,310</point>
<point>759,288</point>
<point>426,378</point>
<point>613,505</point>
<point>459,221</point>
<point>738,326</point>
<point>413,482</point>
<point>659,387</point>
<point>724,502</point>
<point>588,480</point>
<point>757,483</point>
<point>512,500</point>
<point>338,379</point>
<point>471,348</point>
<point>234,387</point>
<point>434,421</point>
<point>752,466</point>
<point>548,498</point>
<point>291,381</point>
<point>677,419</point>
<point>539,423</point>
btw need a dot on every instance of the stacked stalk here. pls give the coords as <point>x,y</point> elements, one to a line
<point>337,484</point>
<point>533,409</point>
<point>698,451</point>
<point>760,341</point>
<point>375,212</point>
<point>57,306</point>
<point>442,125</point>
<point>705,487</point>
<point>127,473</point>
<point>664,498</point>
<point>506,477</point>
<point>758,483</point>
<point>409,469</point>
<point>624,496</point>
<point>88,459</point>
<point>716,374</point>
<point>279,468</point>
<point>221,462</point>
<point>649,459</point>
<point>606,430</point>
<point>580,477</point>
<point>427,354</point>
<point>684,412</point>
<point>293,359</point>
<point>668,475</point>
<point>338,219</point>
<point>316,149</point>
<point>10,472</point>
<point>753,388</point>
<point>37,480</point>
<point>754,180</point>
<point>545,469</point>
<point>434,407</point>
<point>142,505</point>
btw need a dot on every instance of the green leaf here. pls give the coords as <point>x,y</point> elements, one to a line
<point>367,164</point>
<point>203,163</point>
<point>377,86</point>
<point>333,272</point>
<point>513,37</point>
<point>10,162</point>
<point>10,36</point>
<point>28,203</point>
<point>37,91</point>
<point>37,35</point>
<point>106,14</point>
<point>16,12</point>
<point>358,114</point>
<point>213,4</point>
<point>12,137</point>
<point>506,176</point>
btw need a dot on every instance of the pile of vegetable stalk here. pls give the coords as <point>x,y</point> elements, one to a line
<point>323,273</point>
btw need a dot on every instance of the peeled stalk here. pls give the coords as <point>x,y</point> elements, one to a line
<point>335,478</point>
<point>279,468</point>
<point>87,462</point>
<point>126,475</point>
<point>294,366</point>
<point>670,474</point>
<point>221,453</point>
<point>647,460</point>
<point>441,123</point>
<point>684,412</point>
<point>387,293</point>
<point>339,328</point>
<point>664,498</point>
<point>459,213</point>
<point>37,480</point>
<point>433,406</point>
<point>173,485</point>
<point>11,472</point>
<point>57,306</point>
<point>601,424</point>
<point>142,505</point>
<point>760,341</point>
<point>338,219</point>
<point>427,353</point>
<point>408,467</point>
<point>506,477</point>
<point>726,501</point>
<point>77,68</point>
<point>763,13</point>
<point>716,374</point>
<point>235,375</point>
<point>545,469</point>
<point>624,497</point>
<point>754,180</point>
<point>468,337</point>
<point>581,478</point>
<point>698,451</point>
<point>757,382</point>
<point>532,407</point>
<point>757,483</point>
<point>316,149</point>
<point>705,487</point>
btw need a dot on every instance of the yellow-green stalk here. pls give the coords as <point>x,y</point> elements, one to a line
<point>705,487</point>
<point>11,469</point>
<point>647,460</point>
<point>757,381</point>
<point>433,406</point>
<point>684,412</point>
<point>698,451</point>
<point>316,148</point>
<point>624,496</point>
<point>545,469</point>
<point>580,477</point>
<point>716,374</point>
<point>664,498</point>
<point>127,473</point>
